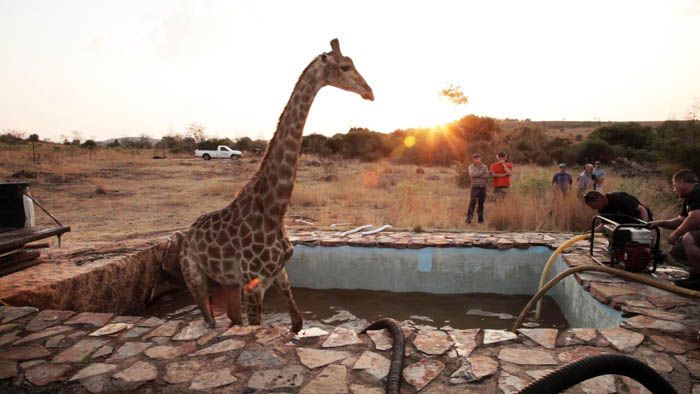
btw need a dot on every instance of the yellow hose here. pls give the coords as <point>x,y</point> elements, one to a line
<point>548,265</point>
<point>627,275</point>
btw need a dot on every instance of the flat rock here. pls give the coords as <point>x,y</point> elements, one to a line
<point>374,365</point>
<point>268,335</point>
<point>314,358</point>
<point>342,337</point>
<point>312,332</point>
<point>151,322</point>
<point>31,363</point>
<point>464,340</point>
<point>538,373</point>
<point>80,351</point>
<point>545,337</point>
<point>642,322</point>
<point>432,342</point>
<point>240,331</point>
<point>91,319</point>
<point>48,318</point>
<point>670,300</point>
<point>605,292</point>
<point>474,369</point>
<point>226,345</point>
<point>167,329</point>
<point>339,317</point>
<point>258,360</point>
<point>141,371</point>
<point>621,339</point>
<point>110,329</point>
<point>526,356</point>
<point>193,330</point>
<point>653,312</point>
<point>579,353</point>
<point>287,377</point>
<point>213,379</point>
<point>9,337</point>
<point>423,372</point>
<point>127,319</point>
<point>635,387</point>
<point>657,361</point>
<point>496,336</point>
<point>46,373</point>
<point>181,371</point>
<point>381,338</point>
<point>599,385</point>
<point>93,370</point>
<point>103,351</point>
<point>585,334</point>
<point>691,362</point>
<point>511,384</point>
<point>8,369</point>
<point>130,349</point>
<point>359,389</point>
<point>135,332</point>
<point>21,353</point>
<point>43,334</point>
<point>166,352</point>
<point>10,313</point>
<point>332,380</point>
<point>674,345</point>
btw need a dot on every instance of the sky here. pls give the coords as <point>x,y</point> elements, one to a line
<point>105,69</point>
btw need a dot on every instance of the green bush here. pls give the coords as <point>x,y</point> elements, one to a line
<point>594,149</point>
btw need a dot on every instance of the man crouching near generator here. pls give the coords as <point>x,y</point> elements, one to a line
<point>686,235</point>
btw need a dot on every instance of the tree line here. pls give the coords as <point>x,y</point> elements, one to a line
<point>673,142</point>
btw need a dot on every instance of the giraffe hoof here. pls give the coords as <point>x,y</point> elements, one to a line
<point>297,325</point>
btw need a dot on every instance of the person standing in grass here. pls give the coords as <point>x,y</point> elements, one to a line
<point>562,179</point>
<point>479,174</point>
<point>585,180</point>
<point>501,172</point>
<point>598,176</point>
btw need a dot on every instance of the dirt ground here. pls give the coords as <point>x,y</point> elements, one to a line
<point>111,198</point>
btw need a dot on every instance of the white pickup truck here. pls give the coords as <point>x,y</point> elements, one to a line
<point>222,151</point>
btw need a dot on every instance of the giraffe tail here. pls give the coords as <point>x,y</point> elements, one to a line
<point>393,382</point>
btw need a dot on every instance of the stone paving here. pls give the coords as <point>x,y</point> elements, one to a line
<point>90,351</point>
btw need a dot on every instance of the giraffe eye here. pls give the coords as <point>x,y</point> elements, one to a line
<point>345,68</point>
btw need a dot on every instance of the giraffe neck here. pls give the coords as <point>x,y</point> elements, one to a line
<point>276,175</point>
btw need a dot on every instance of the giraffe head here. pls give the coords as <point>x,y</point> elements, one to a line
<point>339,71</point>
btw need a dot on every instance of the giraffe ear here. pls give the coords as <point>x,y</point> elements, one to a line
<point>335,46</point>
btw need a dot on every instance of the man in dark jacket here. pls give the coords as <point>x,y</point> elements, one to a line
<point>685,237</point>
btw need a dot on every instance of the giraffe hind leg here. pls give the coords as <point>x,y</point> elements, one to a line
<point>282,285</point>
<point>233,304</point>
<point>197,284</point>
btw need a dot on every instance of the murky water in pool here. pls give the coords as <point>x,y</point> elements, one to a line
<point>457,310</point>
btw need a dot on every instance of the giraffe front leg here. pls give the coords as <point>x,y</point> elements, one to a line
<point>197,283</point>
<point>253,306</point>
<point>233,304</point>
<point>282,285</point>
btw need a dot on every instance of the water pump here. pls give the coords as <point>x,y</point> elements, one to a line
<point>631,243</point>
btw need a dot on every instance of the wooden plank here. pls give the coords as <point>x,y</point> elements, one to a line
<point>18,238</point>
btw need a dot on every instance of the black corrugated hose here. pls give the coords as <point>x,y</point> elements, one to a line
<point>393,380</point>
<point>606,364</point>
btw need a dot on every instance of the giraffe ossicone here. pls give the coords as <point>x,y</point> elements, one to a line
<point>247,239</point>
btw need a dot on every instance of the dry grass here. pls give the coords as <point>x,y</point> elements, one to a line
<point>144,196</point>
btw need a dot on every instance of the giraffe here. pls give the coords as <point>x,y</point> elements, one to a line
<point>247,239</point>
